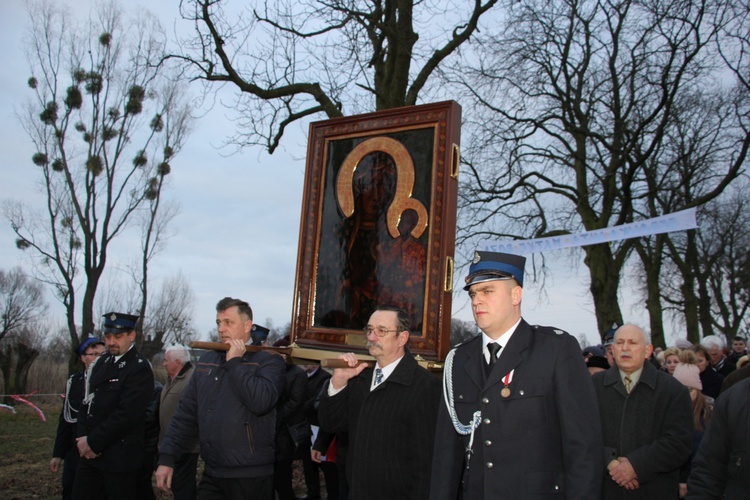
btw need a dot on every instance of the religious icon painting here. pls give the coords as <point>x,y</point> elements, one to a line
<point>378,226</point>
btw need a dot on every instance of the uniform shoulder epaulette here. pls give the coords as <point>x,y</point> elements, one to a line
<point>466,342</point>
<point>550,330</point>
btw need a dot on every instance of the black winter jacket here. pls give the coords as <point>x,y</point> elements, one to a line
<point>233,403</point>
<point>722,467</point>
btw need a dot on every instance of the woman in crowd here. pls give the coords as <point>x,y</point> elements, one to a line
<point>688,373</point>
<point>671,358</point>
<point>710,378</point>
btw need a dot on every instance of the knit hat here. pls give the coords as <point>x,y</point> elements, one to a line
<point>689,375</point>
<point>682,344</point>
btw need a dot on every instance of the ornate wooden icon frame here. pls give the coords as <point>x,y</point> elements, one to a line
<point>421,146</point>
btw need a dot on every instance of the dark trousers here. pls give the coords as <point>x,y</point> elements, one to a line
<point>94,484</point>
<point>331,475</point>
<point>312,477</point>
<point>241,488</point>
<point>70,464</point>
<point>282,479</point>
<point>145,485</point>
<point>312,474</point>
<point>183,477</point>
<point>343,485</point>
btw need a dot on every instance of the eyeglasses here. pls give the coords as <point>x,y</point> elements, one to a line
<point>97,354</point>
<point>378,331</point>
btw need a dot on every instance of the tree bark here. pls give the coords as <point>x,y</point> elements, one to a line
<point>16,359</point>
<point>605,281</point>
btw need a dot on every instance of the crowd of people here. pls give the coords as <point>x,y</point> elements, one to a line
<point>707,370</point>
<point>520,413</point>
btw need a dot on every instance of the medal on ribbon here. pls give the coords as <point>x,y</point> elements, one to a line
<point>505,391</point>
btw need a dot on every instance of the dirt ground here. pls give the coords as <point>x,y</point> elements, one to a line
<point>26,447</point>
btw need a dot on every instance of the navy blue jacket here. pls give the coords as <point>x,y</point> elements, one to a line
<point>233,403</point>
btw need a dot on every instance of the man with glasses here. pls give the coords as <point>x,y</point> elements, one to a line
<point>389,411</point>
<point>65,450</point>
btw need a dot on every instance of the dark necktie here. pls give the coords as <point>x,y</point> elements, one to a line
<point>493,348</point>
<point>378,376</point>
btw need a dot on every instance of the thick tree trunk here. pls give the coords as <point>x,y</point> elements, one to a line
<point>651,259</point>
<point>74,361</point>
<point>16,359</point>
<point>605,281</point>
<point>688,288</point>
<point>150,347</point>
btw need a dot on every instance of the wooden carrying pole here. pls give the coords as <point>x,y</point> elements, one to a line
<point>340,363</point>
<point>287,352</point>
<point>221,346</point>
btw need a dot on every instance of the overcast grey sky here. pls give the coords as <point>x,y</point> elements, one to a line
<point>237,230</point>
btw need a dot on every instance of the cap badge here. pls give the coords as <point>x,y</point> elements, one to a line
<point>113,317</point>
<point>477,258</point>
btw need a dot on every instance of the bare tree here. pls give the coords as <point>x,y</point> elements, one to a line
<point>719,288</point>
<point>169,317</point>
<point>21,306</point>
<point>725,240</point>
<point>295,59</point>
<point>461,331</point>
<point>21,301</point>
<point>154,233</point>
<point>106,123</point>
<point>703,145</point>
<point>575,99</point>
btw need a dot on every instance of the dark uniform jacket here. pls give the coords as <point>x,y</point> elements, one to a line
<point>652,426</point>
<point>231,407</point>
<point>722,467</point>
<point>541,441</point>
<point>391,431</point>
<point>114,419</point>
<point>65,439</point>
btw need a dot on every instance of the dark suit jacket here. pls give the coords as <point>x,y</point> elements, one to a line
<point>652,426</point>
<point>114,422</point>
<point>541,441</point>
<point>391,431</point>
